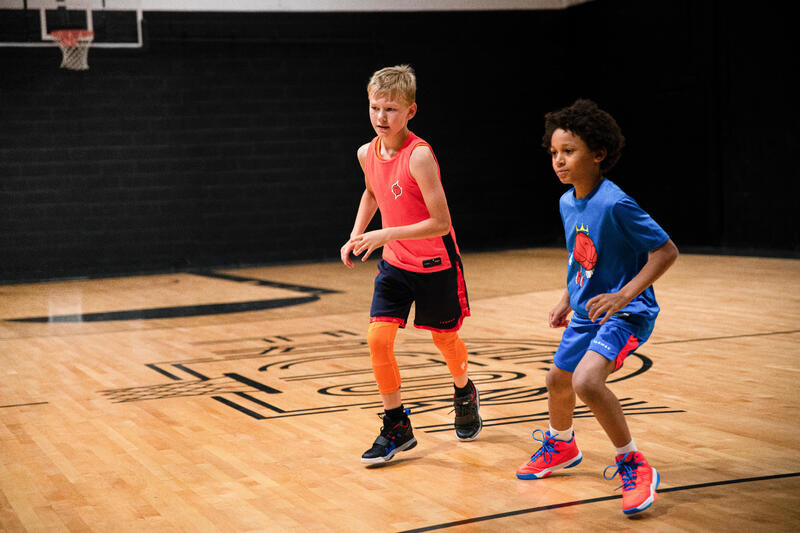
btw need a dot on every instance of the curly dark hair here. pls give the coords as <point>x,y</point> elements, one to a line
<point>596,127</point>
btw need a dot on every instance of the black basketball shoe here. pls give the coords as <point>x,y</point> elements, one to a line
<point>468,421</point>
<point>396,436</point>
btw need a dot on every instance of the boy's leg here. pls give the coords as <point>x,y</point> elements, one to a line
<point>454,352</point>
<point>589,382</point>
<point>380,338</point>
<point>396,434</point>
<point>639,479</point>
<point>441,305</point>
<point>558,447</point>
<point>466,400</point>
<point>560,398</point>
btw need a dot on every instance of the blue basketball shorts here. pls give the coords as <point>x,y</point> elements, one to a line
<point>439,298</point>
<point>614,340</point>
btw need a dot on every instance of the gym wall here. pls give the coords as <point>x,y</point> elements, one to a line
<point>230,138</point>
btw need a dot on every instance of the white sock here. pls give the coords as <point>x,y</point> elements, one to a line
<point>561,434</point>
<point>628,448</point>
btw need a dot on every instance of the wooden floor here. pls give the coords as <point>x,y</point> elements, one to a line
<point>241,400</point>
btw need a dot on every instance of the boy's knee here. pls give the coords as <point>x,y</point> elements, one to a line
<point>445,340</point>
<point>453,349</point>
<point>589,378</point>
<point>587,385</point>
<point>558,380</point>
<point>380,338</point>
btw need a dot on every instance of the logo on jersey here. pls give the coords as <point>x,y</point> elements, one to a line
<point>397,190</point>
<point>584,253</point>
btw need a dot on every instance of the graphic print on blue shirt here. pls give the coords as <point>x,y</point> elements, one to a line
<point>609,238</point>
<point>585,254</point>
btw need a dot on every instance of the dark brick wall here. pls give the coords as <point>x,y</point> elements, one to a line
<point>230,139</point>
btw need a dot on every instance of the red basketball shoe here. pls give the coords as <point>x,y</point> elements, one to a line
<point>552,455</point>
<point>639,481</point>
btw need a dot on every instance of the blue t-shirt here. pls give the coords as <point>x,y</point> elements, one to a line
<point>608,238</point>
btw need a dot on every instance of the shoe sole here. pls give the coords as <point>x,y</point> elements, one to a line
<point>475,436</point>
<point>649,501</point>
<point>575,461</point>
<point>388,457</point>
<point>480,420</point>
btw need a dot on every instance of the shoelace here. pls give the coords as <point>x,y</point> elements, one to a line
<point>626,469</point>
<point>547,449</point>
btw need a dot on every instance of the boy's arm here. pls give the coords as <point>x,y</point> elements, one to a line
<point>425,171</point>
<point>366,210</point>
<point>607,304</point>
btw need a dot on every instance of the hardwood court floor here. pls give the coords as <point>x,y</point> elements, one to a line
<point>241,400</point>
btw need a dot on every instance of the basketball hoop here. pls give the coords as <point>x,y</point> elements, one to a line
<point>74,45</point>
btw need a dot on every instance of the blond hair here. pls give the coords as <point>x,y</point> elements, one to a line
<point>394,81</point>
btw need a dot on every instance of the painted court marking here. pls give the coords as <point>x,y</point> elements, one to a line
<point>22,404</point>
<point>593,500</point>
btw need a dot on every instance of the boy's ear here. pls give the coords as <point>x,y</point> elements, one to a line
<point>600,154</point>
<point>412,110</point>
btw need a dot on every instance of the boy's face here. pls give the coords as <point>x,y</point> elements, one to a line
<point>573,161</point>
<point>389,116</point>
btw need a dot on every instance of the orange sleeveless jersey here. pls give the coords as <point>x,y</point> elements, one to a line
<point>400,202</point>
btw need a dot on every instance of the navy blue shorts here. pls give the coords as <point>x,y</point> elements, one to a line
<point>440,298</point>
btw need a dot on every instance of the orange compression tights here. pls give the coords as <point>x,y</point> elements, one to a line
<point>454,351</point>
<point>380,338</point>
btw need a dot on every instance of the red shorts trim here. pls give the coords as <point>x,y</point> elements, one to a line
<point>388,319</point>
<point>630,346</point>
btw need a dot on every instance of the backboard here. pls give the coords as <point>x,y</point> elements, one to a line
<point>30,23</point>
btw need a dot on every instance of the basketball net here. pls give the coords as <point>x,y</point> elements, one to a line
<point>74,45</point>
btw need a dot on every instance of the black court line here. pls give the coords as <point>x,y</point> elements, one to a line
<point>744,335</point>
<point>238,407</point>
<point>252,383</point>
<point>592,500</point>
<point>265,283</point>
<point>196,310</point>
<point>191,372</point>
<point>173,312</point>
<point>286,414</point>
<point>152,366</point>
<point>22,404</point>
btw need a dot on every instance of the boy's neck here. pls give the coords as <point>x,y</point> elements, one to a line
<point>391,145</point>
<point>582,190</point>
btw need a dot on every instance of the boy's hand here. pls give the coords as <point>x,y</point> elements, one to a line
<point>559,316</point>
<point>605,304</point>
<point>368,242</point>
<point>344,253</point>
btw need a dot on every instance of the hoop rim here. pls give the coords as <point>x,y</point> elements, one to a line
<point>72,37</point>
